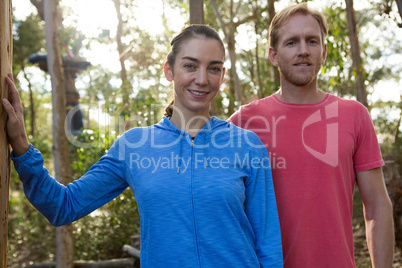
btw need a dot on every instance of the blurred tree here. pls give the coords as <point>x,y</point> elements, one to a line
<point>64,234</point>
<point>28,39</point>
<point>196,11</point>
<point>335,76</point>
<point>229,29</point>
<point>399,3</point>
<point>358,67</point>
<point>125,85</point>
<point>274,73</point>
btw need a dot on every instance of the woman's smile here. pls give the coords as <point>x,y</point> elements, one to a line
<point>197,94</point>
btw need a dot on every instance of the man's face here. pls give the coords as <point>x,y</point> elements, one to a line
<point>300,52</point>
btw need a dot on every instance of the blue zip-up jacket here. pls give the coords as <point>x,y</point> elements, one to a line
<point>207,202</point>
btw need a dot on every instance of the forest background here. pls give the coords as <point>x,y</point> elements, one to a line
<point>125,87</point>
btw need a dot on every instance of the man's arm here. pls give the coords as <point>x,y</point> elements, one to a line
<point>378,216</point>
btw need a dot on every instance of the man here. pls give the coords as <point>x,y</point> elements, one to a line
<point>320,146</point>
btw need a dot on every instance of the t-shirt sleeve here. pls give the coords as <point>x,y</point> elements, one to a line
<point>235,118</point>
<point>367,153</point>
<point>64,204</point>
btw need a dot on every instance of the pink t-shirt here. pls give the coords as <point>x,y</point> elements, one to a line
<point>315,150</point>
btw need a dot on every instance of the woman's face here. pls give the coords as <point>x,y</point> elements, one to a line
<point>197,75</point>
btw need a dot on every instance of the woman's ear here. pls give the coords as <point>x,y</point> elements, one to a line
<point>168,72</point>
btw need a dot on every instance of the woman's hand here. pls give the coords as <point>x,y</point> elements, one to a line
<point>16,133</point>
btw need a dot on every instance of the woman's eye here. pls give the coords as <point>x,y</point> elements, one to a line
<point>189,66</point>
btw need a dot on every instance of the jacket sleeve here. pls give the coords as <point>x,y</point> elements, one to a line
<point>261,208</point>
<point>64,204</point>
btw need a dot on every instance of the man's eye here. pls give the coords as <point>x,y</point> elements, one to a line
<point>215,69</point>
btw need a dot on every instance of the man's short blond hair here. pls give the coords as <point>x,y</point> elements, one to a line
<point>286,13</point>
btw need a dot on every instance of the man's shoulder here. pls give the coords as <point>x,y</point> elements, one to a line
<point>345,103</point>
<point>258,104</point>
<point>254,106</point>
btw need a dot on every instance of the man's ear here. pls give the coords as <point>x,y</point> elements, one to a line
<point>168,72</point>
<point>273,56</point>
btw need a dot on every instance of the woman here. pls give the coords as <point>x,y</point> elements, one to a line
<point>203,186</point>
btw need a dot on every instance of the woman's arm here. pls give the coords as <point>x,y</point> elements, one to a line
<point>262,211</point>
<point>58,203</point>
<point>61,204</point>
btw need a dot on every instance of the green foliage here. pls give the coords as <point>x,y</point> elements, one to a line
<point>111,226</point>
<point>31,238</point>
<point>98,86</point>
<point>94,146</point>
<point>336,68</point>
<point>28,38</point>
<point>388,126</point>
<point>102,234</point>
<point>43,119</point>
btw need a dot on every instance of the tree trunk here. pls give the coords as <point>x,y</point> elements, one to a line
<point>360,87</point>
<point>6,45</point>
<point>257,56</point>
<point>39,6</point>
<point>31,100</point>
<point>398,125</point>
<point>64,235</point>
<point>399,5</point>
<point>123,73</point>
<point>274,71</point>
<point>231,43</point>
<point>197,12</point>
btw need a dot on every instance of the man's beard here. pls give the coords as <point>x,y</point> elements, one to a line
<point>298,78</point>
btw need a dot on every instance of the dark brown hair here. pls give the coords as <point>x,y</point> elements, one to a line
<point>191,31</point>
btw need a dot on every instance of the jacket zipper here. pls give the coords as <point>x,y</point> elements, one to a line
<point>192,200</point>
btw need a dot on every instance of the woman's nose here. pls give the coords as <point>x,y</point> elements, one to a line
<point>202,77</point>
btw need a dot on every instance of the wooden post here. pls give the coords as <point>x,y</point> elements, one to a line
<point>6,45</point>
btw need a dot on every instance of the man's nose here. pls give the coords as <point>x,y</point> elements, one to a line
<point>303,49</point>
